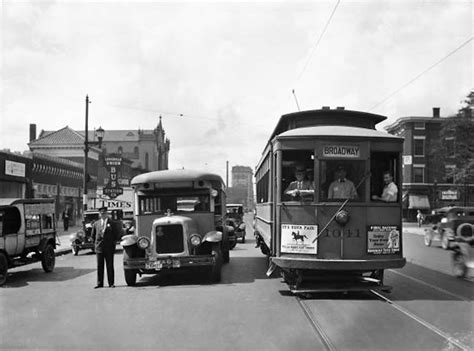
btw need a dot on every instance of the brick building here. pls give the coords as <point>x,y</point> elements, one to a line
<point>427,184</point>
<point>242,186</point>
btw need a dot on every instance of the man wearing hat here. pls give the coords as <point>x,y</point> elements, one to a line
<point>342,188</point>
<point>300,189</point>
<point>105,235</point>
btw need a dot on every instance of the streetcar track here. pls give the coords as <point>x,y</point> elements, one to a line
<point>423,322</point>
<point>430,285</point>
<point>314,323</point>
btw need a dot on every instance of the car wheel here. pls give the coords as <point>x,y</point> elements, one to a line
<point>232,244</point>
<point>445,241</point>
<point>48,258</point>
<point>215,274</point>
<point>243,239</point>
<point>130,277</point>
<point>459,266</point>
<point>75,249</point>
<point>428,239</point>
<point>3,268</point>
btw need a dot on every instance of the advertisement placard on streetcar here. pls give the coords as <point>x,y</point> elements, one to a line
<point>383,239</point>
<point>296,238</point>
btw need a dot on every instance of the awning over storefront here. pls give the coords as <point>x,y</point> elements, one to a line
<point>419,202</point>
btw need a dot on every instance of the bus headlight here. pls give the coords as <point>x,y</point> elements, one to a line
<point>143,243</point>
<point>195,240</point>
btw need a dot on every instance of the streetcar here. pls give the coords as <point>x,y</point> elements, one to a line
<point>329,209</point>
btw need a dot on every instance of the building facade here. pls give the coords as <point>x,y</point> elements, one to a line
<point>242,186</point>
<point>427,182</point>
<point>15,175</point>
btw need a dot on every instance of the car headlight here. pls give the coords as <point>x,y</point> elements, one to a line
<point>143,242</point>
<point>195,240</point>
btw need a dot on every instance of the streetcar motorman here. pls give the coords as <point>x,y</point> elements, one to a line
<point>342,188</point>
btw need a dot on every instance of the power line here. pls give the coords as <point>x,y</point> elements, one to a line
<point>318,41</point>
<point>421,74</point>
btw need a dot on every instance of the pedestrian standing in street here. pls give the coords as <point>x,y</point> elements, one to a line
<point>65,217</point>
<point>419,218</point>
<point>104,235</point>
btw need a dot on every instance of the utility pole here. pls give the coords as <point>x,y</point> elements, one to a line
<point>227,174</point>
<point>86,151</point>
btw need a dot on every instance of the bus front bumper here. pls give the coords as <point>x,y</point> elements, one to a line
<point>174,262</point>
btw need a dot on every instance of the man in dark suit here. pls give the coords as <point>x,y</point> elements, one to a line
<point>105,235</point>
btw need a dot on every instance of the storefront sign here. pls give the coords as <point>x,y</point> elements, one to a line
<point>299,238</point>
<point>114,166</point>
<point>16,169</point>
<point>383,240</point>
<point>407,159</point>
<point>346,151</point>
<point>449,195</point>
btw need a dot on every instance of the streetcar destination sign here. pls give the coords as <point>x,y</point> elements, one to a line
<point>341,151</point>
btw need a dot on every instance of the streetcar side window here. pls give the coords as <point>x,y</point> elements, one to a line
<point>384,185</point>
<point>297,175</point>
<point>341,180</point>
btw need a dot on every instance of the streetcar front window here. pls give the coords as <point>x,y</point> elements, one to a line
<point>297,175</point>
<point>384,186</point>
<point>341,180</point>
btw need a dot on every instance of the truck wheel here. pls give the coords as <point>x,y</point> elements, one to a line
<point>48,258</point>
<point>459,266</point>
<point>3,268</point>
<point>232,244</point>
<point>445,241</point>
<point>130,277</point>
<point>215,274</point>
<point>428,239</point>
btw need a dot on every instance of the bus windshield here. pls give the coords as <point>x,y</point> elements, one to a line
<point>160,204</point>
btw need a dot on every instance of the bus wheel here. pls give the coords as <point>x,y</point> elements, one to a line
<point>130,277</point>
<point>48,258</point>
<point>428,239</point>
<point>215,273</point>
<point>3,268</point>
<point>459,266</point>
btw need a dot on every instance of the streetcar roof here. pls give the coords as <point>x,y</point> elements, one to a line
<point>326,117</point>
<point>175,175</point>
<point>337,131</point>
<point>13,201</point>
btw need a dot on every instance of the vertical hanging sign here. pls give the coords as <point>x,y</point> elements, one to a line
<point>113,163</point>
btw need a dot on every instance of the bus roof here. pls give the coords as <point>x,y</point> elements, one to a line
<point>175,175</point>
<point>337,131</point>
<point>14,201</point>
<point>327,117</point>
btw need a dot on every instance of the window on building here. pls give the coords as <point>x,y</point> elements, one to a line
<point>136,151</point>
<point>120,150</point>
<point>449,142</point>
<point>418,173</point>
<point>449,171</point>
<point>146,161</point>
<point>420,125</point>
<point>419,146</point>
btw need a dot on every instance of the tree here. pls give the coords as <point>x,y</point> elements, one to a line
<point>455,145</point>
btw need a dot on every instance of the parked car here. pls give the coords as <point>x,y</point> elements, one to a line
<point>446,222</point>
<point>235,219</point>
<point>27,234</point>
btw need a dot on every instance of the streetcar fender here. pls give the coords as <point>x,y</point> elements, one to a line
<point>213,236</point>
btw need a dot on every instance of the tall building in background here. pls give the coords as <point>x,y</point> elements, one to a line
<point>242,186</point>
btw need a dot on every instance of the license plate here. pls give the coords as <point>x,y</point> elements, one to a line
<point>154,265</point>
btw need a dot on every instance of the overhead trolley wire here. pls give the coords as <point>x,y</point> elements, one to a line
<point>421,74</point>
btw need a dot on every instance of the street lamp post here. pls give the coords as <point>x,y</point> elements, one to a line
<point>99,133</point>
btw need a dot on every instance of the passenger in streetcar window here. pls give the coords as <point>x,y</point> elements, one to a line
<point>301,189</point>
<point>342,188</point>
<point>390,190</point>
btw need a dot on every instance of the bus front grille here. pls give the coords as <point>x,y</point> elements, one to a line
<point>169,239</point>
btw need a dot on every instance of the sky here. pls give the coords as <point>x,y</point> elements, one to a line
<point>222,73</point>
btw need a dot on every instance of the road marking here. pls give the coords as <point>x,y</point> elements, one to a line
<point>431,286</point>
<point>319,330</point>
<point>423,322</point>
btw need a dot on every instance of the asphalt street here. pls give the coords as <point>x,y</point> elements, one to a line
<point>429,309</point>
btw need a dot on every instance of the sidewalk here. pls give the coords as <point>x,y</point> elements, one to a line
<point>412,228</point>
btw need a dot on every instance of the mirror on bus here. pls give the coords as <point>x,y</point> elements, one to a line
<point>297,175</point>
<point>341,180</point>
<point>384,186</point>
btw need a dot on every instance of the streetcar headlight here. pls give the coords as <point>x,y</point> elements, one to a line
<point>342,217</point>
<point>143,242</point>
<point>195,240</point>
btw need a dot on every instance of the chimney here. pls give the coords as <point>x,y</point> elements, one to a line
<point>326,108</point>
<point>436,112</point>
<point>32,131</point>
<point>340,108</point>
